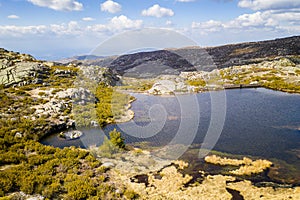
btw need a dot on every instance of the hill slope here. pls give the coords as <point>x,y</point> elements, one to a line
<point>151,64</point>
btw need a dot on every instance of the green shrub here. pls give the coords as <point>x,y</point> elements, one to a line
<point>130,194</point>
<point>197,82</point>
<point>116,139</point>
<point>107,149</point>
<point>56,90</point>
<point>41,93</point>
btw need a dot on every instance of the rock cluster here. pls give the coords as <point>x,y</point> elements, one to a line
<point>98,74</point>
<point>135,162</point>
<point>79,95</point>
<point>169,84</point>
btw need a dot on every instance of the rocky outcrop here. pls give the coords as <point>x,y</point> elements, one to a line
<point>79,96</point>
<point>21,69</point>
<point>169,84</point>
<point>133,162</point>
<point>97,74</point>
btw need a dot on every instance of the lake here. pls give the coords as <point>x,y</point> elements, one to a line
<point>253,122</point>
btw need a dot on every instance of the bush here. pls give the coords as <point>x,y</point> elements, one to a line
<point>197,82</point>
<point>107,149</point>
<point>41,93</point>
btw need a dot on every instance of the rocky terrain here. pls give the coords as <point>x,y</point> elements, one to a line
<point>40,98</point>
<point>152,177</point>
<point>21,69</point>
<point>174,61</point>
<point>50,91</point>
<point>243,53</point>
<point>272,64</point>
<point>280,73</point>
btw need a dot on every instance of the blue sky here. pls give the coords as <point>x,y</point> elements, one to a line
<point>52,29</point>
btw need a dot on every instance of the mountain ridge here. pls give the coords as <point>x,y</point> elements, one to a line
<point>174,61</point>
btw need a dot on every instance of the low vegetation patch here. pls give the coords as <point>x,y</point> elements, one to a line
<point>246,165</point>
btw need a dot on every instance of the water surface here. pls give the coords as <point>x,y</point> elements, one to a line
<point>258,122</point>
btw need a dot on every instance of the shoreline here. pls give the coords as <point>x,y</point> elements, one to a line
<point>131,116</point>
<point>233,87</point>
<point>154,181</point>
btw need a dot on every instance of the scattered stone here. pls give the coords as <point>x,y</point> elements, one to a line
<point>94,124</point>
<point>22,195</point>
<point>108,165</point>
<point>18,135</point>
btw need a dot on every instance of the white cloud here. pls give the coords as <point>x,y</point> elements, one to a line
<point>73,28</point>
<point>13,17</point>
<point>275,20</point>
<point>269,4</point>
<point>169,23</point>
<point>18,31</point>
<point>61,5</point>
<point>88,19</point>
<point>157,11</point>
<point>288,15</point>
<point>271,18</point>
<point>122,22</point>
<point>209,26</point>
<point>111,6</point>
<point>247,20</point>
<point>116,24</point>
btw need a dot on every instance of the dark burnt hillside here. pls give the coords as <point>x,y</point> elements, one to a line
<point>151,64</point>
<point>245,53</point>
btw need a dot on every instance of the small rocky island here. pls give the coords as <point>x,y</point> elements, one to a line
<point>71,135</point>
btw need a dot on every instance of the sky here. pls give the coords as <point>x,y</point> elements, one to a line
<point>55,29</point>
